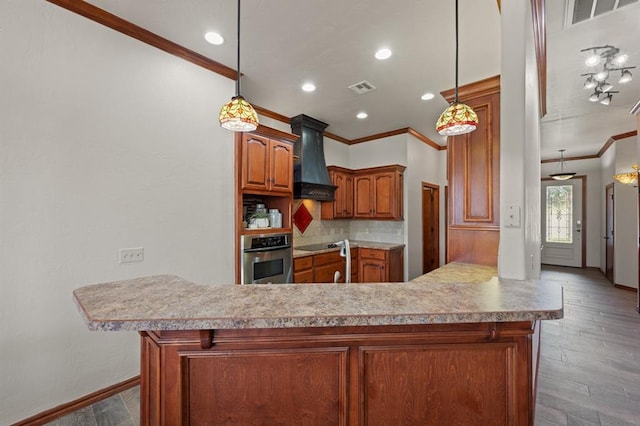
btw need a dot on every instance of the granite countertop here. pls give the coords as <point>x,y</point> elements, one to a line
<point>300,252</point>
<point>458,272</point>
<point>167,302</point>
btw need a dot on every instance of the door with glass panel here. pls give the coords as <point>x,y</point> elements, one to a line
<point>562,230</point>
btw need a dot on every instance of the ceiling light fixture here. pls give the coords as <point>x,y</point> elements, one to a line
<point>362,115</point>
<point>625,77</point>
<point>592,60</point>
<point>458,118</point>
<point>383,54</point>
<point>238,115</point>
<point>605,87</point>
<point>590,83</point>
<point>308,87</point>
<point>214,38</point>
<point>628,178</point>
<point>606,100</point>
<point>595,97</point>
<point>611,60</point>
<point>427,96</point>
<point>562,175</point>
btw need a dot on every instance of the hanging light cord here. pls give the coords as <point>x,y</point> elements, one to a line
<point>238,53</point>
<point>456,98</point>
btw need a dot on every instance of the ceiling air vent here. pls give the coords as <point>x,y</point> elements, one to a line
<point>584,10</point>
<point>362,87</point>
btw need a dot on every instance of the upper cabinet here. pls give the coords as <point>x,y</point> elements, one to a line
<point>373,193</point>
<point>378,192</point>
<point>342,207</point>
<point>473,170</point>
<point>267,164</point>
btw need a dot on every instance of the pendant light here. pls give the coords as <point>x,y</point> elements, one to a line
<point>562,175</point>
<point>459,118</point>
<point>238,115</point>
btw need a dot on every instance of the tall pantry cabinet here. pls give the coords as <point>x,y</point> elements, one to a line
<point>473,172</point>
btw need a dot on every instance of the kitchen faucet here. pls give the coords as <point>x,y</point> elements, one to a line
<point>345,251</point>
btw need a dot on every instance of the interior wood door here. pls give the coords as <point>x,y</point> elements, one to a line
<point>608,233</point>
<point>281,166</point>
<point>430,227</point>
<point>562,222</point>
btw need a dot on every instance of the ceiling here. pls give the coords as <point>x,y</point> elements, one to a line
<point>331,43</point>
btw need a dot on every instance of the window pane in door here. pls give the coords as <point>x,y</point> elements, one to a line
<point>559,214</point>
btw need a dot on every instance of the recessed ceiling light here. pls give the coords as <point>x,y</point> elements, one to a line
<point>308,87</point>
<point>214,38</point>
<point>362,115</point>
<point>427,96</point>
<point>383,54</point>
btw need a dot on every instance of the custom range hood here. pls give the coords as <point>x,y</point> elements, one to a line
<point>310,176</point>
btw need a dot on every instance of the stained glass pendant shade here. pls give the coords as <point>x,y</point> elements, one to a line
<point>238,115</point>
<point>459,118</point>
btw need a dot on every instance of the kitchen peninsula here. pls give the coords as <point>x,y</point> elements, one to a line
<point>397,353</point>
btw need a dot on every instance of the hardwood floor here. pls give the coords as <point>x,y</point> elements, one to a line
<point>590,360</point>
<point>589,367</point>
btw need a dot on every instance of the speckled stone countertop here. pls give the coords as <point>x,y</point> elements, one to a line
<point>458,272</point>
<point>354,243</point>
<point>167,302</point>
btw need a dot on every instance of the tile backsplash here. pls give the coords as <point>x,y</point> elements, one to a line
<point>327,231</point>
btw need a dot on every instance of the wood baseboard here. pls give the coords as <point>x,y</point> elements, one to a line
<point>82,402</point>
<point>624,287</point>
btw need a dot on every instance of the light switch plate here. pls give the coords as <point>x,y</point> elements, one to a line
<point>129,255</point>
<point>512,217</point>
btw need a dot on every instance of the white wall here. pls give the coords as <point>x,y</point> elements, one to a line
<point>607,170</point>
<point>106,143</point>
<point>519,250</point>
<point>625,209</point>
<point>423,165</point>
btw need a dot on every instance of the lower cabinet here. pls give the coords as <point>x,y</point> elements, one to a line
<point>436,374</point>
<point>381,266</point>
<point>321,268</point>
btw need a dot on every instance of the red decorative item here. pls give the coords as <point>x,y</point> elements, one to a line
<point>302,218</point>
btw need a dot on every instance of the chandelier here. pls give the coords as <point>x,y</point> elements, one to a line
<point>562,175</point>
<point>605,60</point>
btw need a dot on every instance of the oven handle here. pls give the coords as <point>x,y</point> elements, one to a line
<point>262,249</point>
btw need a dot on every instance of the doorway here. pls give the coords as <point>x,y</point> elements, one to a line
<point>563,222</point>
<point>608,234</point>
<point>430,227</point>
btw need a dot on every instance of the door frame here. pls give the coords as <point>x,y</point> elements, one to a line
<point>583,178</point>
<point>436,220</point>
<point>606,224</point>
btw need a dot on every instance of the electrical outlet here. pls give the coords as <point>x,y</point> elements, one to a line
<point>129,255</point>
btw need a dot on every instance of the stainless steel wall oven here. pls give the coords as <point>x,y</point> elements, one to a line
<point>266,259</point>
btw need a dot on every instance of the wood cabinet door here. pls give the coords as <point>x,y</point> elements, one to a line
<point>326,273</point>
<point>372,271</point>
<point>384,195</point>
<point>305,277</point>
<point>281,166</point>
<point>348,196</point>
<point>362,194</point>
<point>337,179</point>
<point>255,162</point>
